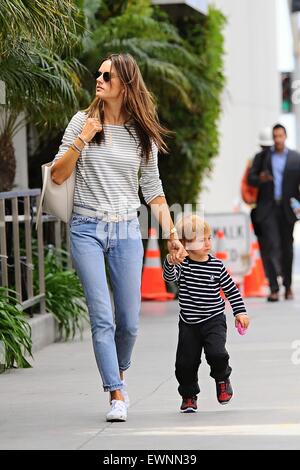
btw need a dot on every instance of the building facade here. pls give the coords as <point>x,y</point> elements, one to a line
<point>251,99</point>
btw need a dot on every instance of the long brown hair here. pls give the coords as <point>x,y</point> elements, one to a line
<point>138,105</point>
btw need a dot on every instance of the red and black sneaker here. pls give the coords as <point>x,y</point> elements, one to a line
<point>189,405</point>
<point>224,391</point>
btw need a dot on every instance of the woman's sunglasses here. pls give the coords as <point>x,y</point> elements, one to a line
<point>107,76</point>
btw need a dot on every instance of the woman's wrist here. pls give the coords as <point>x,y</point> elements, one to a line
<point>82,139</point>
<point>77,146</point>
<point>171,235</point>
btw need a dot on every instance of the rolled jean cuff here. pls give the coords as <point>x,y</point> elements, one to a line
<point>112,388</point>
<point>124,368</point>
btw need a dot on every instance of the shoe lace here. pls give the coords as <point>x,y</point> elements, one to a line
<point>117,405</point>
<point>223,390</point>
<point>189,401</point>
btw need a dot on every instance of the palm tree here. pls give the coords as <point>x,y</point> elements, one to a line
<point>38,43</point>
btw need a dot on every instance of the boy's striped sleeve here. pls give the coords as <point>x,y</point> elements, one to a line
<point>232,293</point>
<point>171,272</point>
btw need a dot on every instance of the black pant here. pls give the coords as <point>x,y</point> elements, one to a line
<point>277,247</point>
<point>209,335</point>
<point>258,233</point>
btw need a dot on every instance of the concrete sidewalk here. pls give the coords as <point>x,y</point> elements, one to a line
<point>58,404</point>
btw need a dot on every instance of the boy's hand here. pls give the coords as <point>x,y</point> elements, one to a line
<point>169,259</point>
<point>177,252</point>
<point>242,319</point>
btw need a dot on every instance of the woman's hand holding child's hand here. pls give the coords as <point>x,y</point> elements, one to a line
<point>177,252</point>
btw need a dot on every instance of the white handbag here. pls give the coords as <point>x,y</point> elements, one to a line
<point>56,199</point>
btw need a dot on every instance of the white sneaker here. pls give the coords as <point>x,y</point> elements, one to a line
<point>125,393</point>
<point>118,411</point>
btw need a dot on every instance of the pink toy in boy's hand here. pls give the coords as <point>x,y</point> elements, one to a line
<point>242,331</point>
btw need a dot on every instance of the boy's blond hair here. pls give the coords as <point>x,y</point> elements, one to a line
<point>190,226</point>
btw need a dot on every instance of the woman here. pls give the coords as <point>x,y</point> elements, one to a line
<point>109,144</point>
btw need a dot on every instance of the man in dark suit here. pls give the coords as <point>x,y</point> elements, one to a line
<point>276,172</point>
<point>265,143</point>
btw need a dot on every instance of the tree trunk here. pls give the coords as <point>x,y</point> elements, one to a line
<point>7,163</point>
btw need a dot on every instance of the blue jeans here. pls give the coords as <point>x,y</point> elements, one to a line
<point>113,333</point>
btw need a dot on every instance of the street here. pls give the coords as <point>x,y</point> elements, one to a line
<point>58,404</point>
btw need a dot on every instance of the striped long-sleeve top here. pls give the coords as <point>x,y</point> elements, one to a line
<point>108,175</point>
<point>199,285</point>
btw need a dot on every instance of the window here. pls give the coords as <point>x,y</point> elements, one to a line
<point>286,80</point>
<point>295,6</point>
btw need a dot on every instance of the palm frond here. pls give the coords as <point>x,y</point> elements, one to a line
<point>36,80</point>
<point>170,77</point>
<point>54,23</point>
<point>135,25</point>
<point>168,51</point>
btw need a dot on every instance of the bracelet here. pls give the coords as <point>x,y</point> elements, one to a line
<point>74,147</point>
<point>83,141</point>
<point>167,234</point>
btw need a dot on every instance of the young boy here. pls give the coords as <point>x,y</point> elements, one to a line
<point>202,323</point>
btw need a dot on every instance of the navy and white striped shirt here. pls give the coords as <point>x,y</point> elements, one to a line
<point>199,286</point>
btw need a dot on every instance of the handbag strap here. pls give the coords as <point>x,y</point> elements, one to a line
<point>47,168</point>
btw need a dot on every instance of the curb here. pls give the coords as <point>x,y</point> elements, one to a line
<point>44,330</point>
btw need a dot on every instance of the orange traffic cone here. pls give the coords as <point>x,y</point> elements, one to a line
<point>223,255</point>
<point>254,281</point>
<point>252,286</point>
<point>220,251</point>
<point>153,284</point>
<point>259,264</point>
